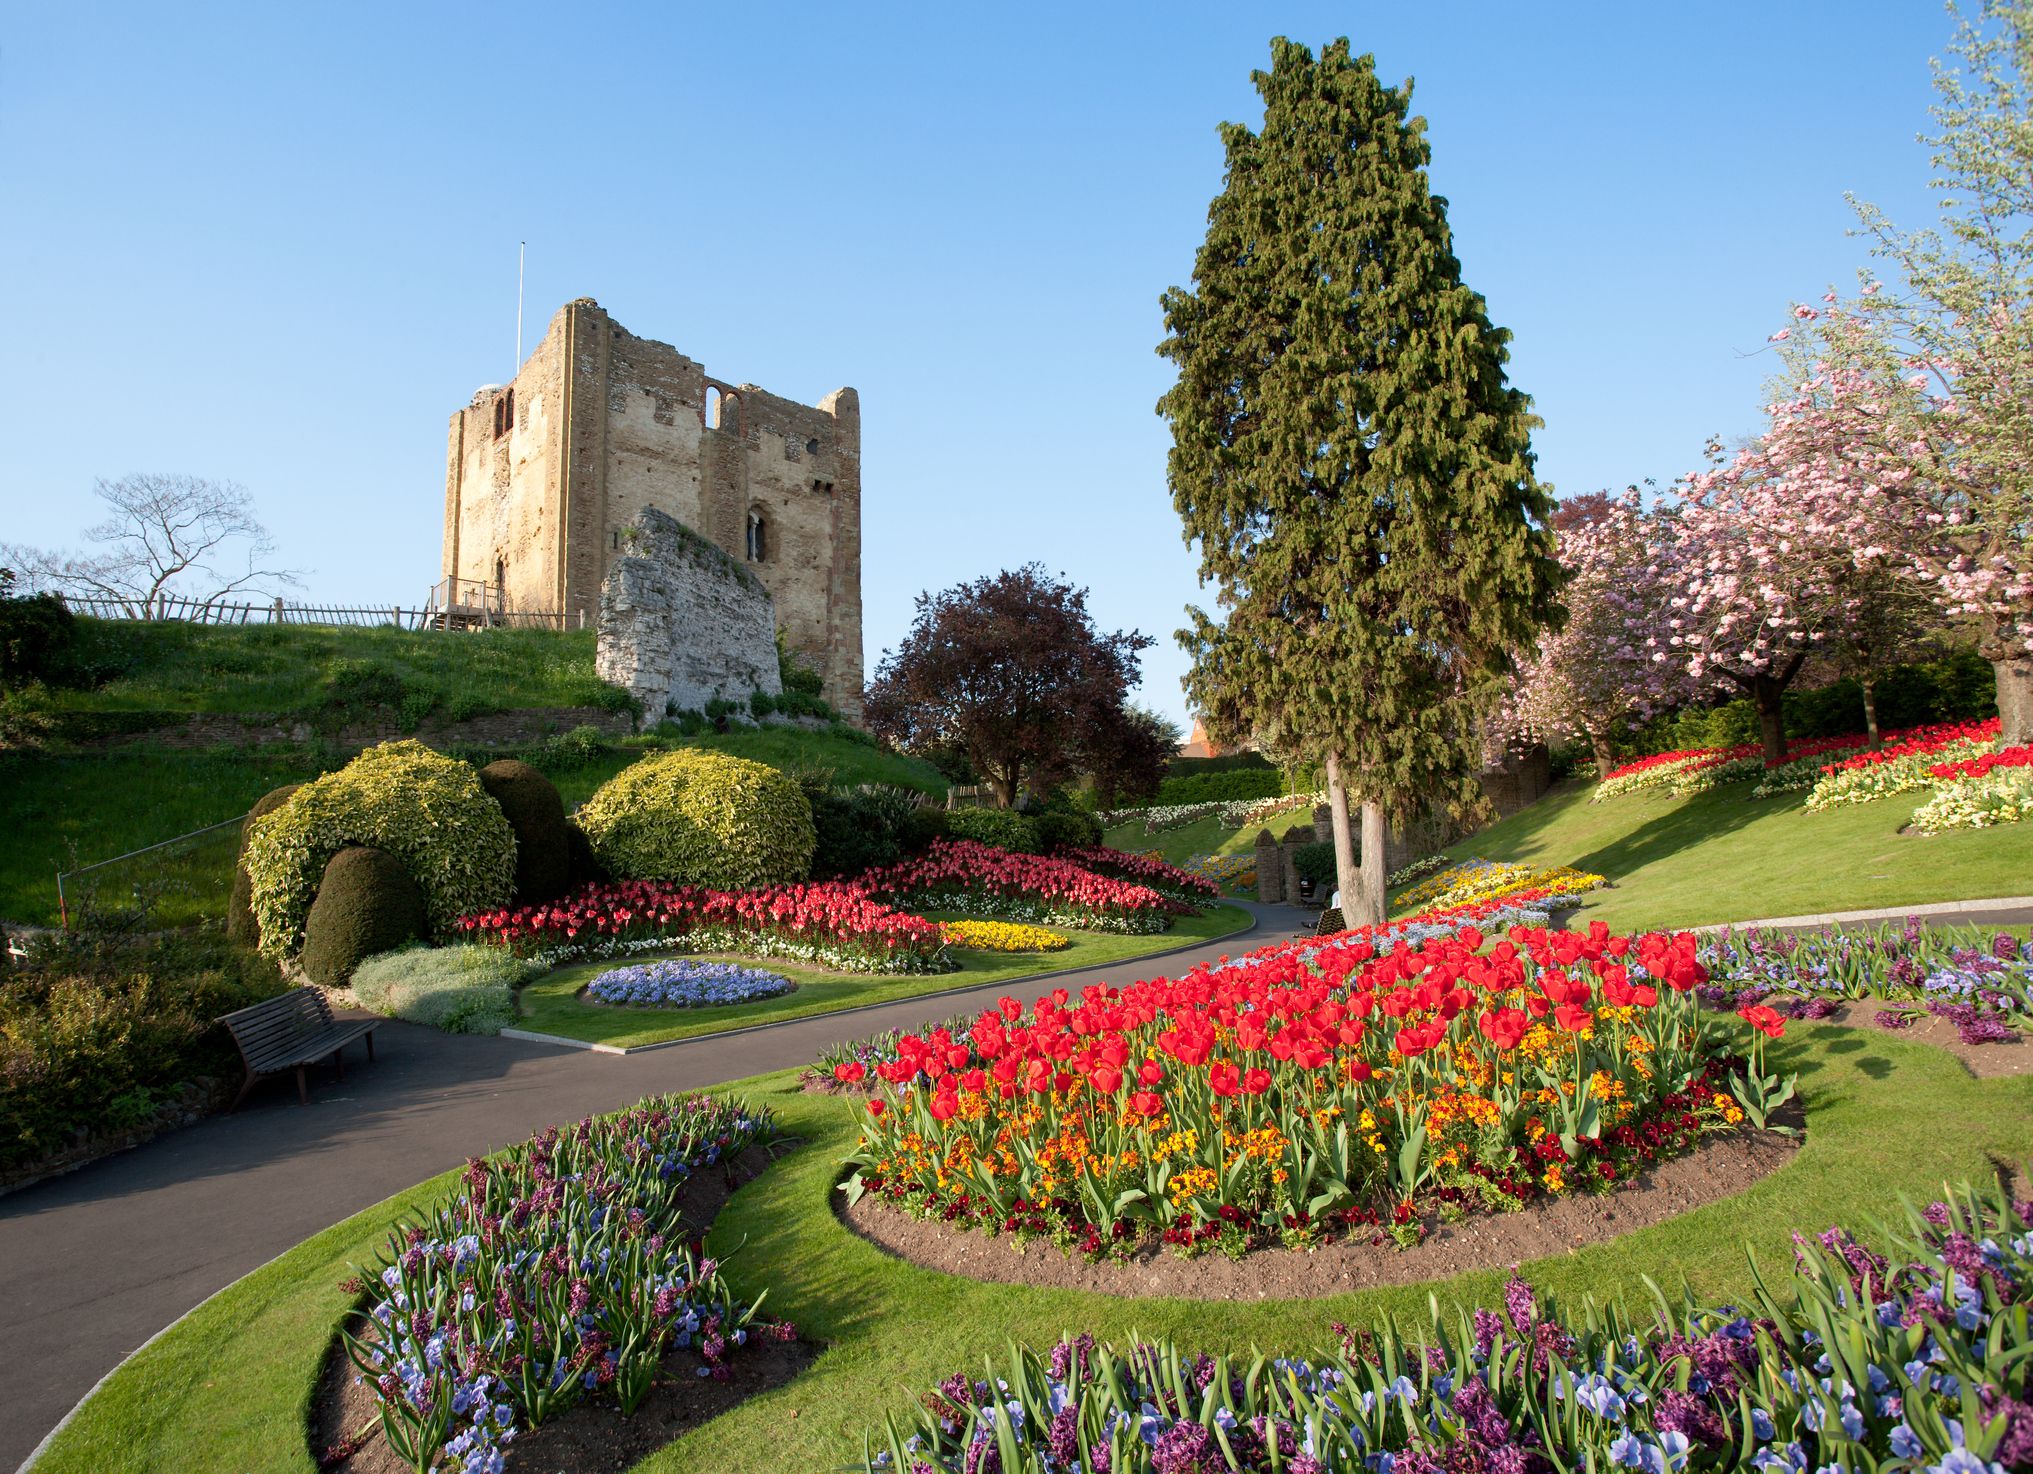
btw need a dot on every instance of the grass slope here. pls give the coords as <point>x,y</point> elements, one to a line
<point>1202,837</point>
<point>1724,856</point>
<point>166,666</point>
<point>551,1005</point>
<point>225,1389</point>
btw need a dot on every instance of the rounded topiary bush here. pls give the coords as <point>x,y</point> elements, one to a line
<point>366,904</point>
<point>239,905</point>
<point>581,868</point>
<point>427,810</point>
<point>700,818</point>
<point>529,800</point>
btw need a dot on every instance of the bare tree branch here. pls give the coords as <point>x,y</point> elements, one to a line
<point>168,537</point>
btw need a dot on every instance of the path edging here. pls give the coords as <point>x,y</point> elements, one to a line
<point>1877,913</point>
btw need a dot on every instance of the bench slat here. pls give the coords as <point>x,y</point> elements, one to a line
<point>291,1030</point>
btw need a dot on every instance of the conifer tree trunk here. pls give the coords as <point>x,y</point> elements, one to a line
<point>1346,875</point>
<point>1369,910</point>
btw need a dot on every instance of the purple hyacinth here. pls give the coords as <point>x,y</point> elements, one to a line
<point>1518,1305</point>
<point>1185,1448</point>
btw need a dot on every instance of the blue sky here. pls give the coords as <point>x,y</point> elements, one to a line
<point>277,243</point>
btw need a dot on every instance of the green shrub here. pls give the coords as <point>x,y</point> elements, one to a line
<point>925,824</point>
<point>796,677</point>
<point>1004,828</point>
<point>37,634</point>
<point>462,989</point>
<point>1186,767</point>
<point>582,867</point>
<point>366,903</point>
<point>240,926</point>
<point>427,810</point>
<point>96,1026</point>
<point>858,828</point>
<point>1222,787</point>
<point>700,817</point>
<point>357,685</point>
<point>1315,862</point>
<point>529,800</point>
<point>466,705</point>
<point>1067,829</point>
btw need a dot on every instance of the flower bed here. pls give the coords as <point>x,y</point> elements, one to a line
<point>1002,936</point>
<point>1980,981</point>
<point>2003,797</point>
<point>1487,880</point>
<point>1904,763</point>
<point>1311,1088</point>
<point>554,1277</point>
<point>1910,1358</point>
<point>833,924</point>
<point>960,875</point>
<point>1225,872</point>
<point>685,983</point>
<point>1656,771</point>
<point>1234,813</point>
<point>1152,870</point>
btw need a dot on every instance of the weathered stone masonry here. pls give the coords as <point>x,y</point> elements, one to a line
<point>600,424</point>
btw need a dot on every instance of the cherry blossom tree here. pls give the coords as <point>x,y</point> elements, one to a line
<point>1604,670</point>
<point>1933,378</point>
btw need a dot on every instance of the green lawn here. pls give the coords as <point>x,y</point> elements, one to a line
<point>551,1004</point>
<point>1724,856</point>
<point>225,1389</point>
<point>57,813</point>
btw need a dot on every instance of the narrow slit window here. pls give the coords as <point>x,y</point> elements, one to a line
<point>758,537</point>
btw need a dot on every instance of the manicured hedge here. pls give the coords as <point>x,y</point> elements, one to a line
<point>1208,788</point>
<point>240,904</point>
<point>543,851</point>
<point>366,903</point>
<point>427,810</point>
<point>700,817</point>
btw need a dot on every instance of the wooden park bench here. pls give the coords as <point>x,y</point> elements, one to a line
<point>289,1032</point>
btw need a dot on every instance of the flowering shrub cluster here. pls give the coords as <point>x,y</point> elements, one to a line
<point>960,875</point>
<point>1147,869</point>
<point>1980,981</point>
<point>833,924</point>
<point>1488,880</point>
<point>685,983</point>
<point>1417,870</point>
<point>1909,1357</point>
<point>1904,763</point>
<point>1001,936</point>
<point>1234,813</point>
<point>1310,1088</point>
<point>560,1272</point>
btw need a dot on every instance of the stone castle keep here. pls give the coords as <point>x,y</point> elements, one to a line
<point>545,478</point>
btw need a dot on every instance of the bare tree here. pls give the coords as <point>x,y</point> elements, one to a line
<point>168,537</point>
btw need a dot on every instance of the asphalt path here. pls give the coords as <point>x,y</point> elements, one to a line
<point>94,1263</point>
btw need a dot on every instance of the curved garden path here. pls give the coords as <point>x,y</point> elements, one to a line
<point>94,1263</point>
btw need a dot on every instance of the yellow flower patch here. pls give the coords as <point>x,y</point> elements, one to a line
<point>1001,936</point>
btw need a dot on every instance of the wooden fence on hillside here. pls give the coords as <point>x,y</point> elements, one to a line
<point>212,611</point>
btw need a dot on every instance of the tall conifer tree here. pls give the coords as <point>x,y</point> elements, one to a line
<point>1349,457</point>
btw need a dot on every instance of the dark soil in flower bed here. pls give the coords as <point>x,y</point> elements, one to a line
<point>1996,1060</point>
<point>592,1436</point>
<point>1720,1168</point>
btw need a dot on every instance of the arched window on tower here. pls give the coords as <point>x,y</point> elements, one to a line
<point>715,405</point>
<point>758,536</point>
